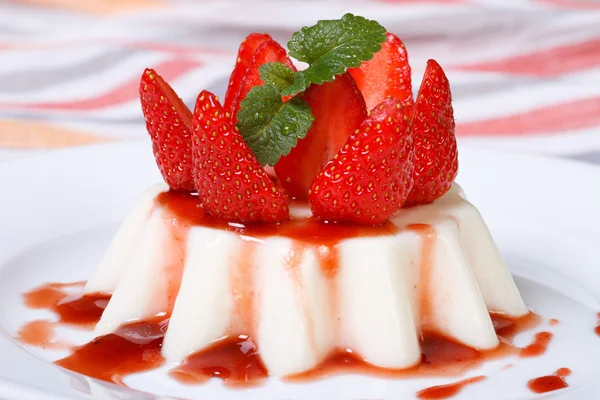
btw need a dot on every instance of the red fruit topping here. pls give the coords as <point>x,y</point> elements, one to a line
<point>245,74</point>
<point>371,176</point>
<point>339,109</point>
<point>245,53</point>
<point>230,181</point>
<point>169,123</point>
<point>386,74</point>
<point>436,157</point>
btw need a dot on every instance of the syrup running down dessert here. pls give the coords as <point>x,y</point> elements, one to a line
<point>313,217</point>
<point>300,289</point>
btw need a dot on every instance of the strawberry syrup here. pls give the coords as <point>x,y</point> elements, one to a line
<point>550,383</point>
<point>134,347</point>
<point>449,390</point>
<point>67,303</point>
<point>236,358</point>
<point>71,307</point>
<point>538,346</point>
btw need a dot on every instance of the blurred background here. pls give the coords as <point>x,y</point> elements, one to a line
<point>525,74</point>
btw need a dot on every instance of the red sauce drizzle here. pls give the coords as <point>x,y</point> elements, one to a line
<point>235,360</point>
<point>553,322</point>
<point>40,333</point>
<point>440,356</point>
<point>71,309</point>
<point>447,391</point>
<point>428,235</point>
<point>564,372</point>
<point>508,327</point>
<point>550,383</point>
<point>539,345</point>
<point>242,290</point>
<point>174,262</point>
<point>173,269</point>
<point>132,348</point>
<point>136,348</point>
<point>597,329</point>
<point>329,259</point>
<point>292,263</point>
<point>188,209</point>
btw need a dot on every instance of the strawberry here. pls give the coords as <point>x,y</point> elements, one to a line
<point>371,176</point>
<point>269,51</point>
<point>169,123</point>
<point>436,157</point>
<point>245,53</point>
<point>339,109</point>
<point>386,74</point>
<point>230,181</point>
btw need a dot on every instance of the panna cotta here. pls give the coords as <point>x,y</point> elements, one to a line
<point>302,290</point>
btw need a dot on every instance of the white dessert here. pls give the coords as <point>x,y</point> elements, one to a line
<point>440,271</point>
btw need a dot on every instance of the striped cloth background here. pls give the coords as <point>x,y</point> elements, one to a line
<point>525,74</point>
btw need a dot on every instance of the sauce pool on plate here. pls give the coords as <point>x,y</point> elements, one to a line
<point>136,347</point>
<point>449,390</point>
<point>550,383</point>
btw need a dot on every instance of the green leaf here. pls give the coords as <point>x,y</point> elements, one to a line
<point>277,74</point>
<point>270,127</point>
<point>331,47</point>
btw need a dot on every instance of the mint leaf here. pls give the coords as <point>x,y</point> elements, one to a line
<point>277,74</point>
<point>270,127</point>
<point>331,47</point>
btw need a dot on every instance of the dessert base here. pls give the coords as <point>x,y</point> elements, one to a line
<point>295,295</point>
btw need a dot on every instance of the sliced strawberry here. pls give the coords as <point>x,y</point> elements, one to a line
<point>270,51</point>
<point>169,123</point>
<point>339,109</point>
<point>436,157</point>
<point>245,53</point>
<point>371,176</point>
<point>229,179</point>
<point>386,74</point>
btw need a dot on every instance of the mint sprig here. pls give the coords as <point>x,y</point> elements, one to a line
<point>331,47</point>
<point>277,74</point>
<point>270,127</point>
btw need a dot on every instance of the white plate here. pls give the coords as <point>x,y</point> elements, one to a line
<point>59,211</point>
